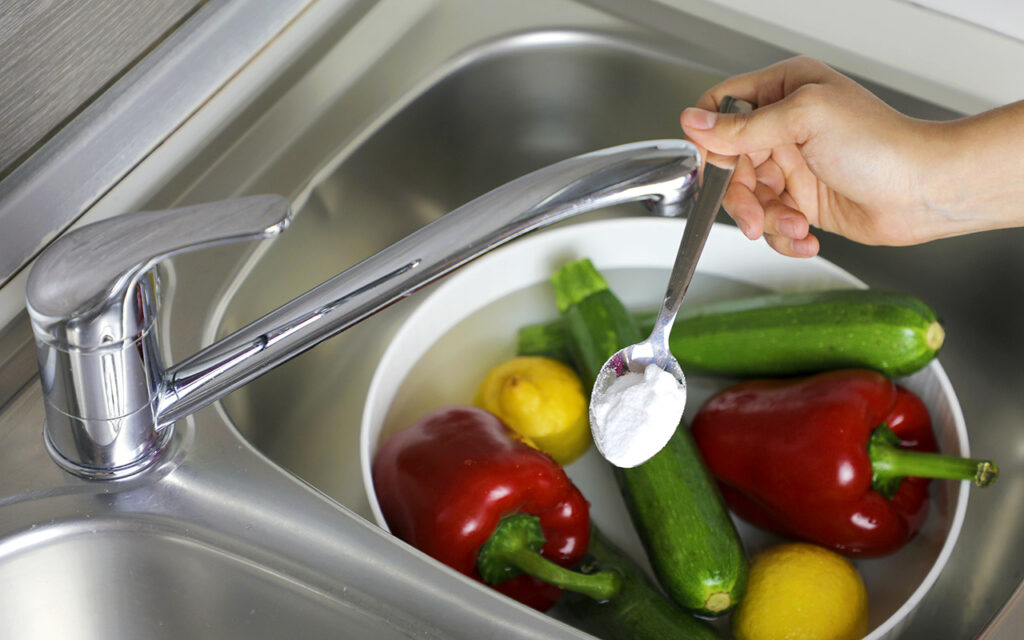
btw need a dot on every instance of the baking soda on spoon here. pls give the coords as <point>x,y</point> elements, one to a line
<point>637,414</point>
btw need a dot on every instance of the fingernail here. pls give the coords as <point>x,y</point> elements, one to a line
<point>699,118</point>
<point>806,247</point>
<point>744,227</point>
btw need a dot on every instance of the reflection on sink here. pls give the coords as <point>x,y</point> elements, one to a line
<point>95,580</point>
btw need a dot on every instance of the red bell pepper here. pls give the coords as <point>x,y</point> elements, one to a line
<point>842,459</point>
<point>459,486</point>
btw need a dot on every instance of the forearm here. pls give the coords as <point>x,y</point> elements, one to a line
<point>974,172</point>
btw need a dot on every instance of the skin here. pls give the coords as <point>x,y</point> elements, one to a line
<point>821,151</point>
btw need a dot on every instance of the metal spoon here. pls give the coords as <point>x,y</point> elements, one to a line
<point>625,448</point>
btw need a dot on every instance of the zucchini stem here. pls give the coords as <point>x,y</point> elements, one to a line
<point>576,281</point>
<point>719,601</point>
<point>934,336</point>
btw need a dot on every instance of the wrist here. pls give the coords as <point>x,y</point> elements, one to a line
<point>971,173</point>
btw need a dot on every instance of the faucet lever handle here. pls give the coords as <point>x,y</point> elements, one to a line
<point>92,298</point>
<point>82,275</point>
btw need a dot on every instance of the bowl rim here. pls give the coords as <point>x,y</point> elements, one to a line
<point>666,230</point>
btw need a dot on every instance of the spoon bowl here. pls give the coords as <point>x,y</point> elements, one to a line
<point>634,410</point>
<point>620,401</point>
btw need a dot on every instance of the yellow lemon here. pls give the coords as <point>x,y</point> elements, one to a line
<point>801,591</point>
<point>543,401</point>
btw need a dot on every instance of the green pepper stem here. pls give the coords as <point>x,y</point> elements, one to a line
<point>600,586</point>
<point>514,549</point>
<point>890,464</point>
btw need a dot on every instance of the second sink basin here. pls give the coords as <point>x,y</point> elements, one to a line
<point>97,578</point>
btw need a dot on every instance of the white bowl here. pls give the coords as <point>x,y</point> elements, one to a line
<point>468,325</point>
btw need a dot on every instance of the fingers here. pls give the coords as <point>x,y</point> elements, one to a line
<point>761,211</point>
<point>768,85</point>
<point>765,128</point>
<point>801,183</point>
<point>758,198</point>
<point>786,95</point>
<point>745,209</point>
<point>780,219</point>
<point>772,176</point>
<point>741,201</point>
<point>804,248</point>
<point>772,184</point>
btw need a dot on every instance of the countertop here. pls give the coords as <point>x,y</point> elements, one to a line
<point>945,59</point>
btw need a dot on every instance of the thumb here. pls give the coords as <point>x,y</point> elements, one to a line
<point>743,133</point>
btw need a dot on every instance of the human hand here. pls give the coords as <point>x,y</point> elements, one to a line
<point>821,151</point>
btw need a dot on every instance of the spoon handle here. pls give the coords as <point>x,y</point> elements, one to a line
<point>718,172</point>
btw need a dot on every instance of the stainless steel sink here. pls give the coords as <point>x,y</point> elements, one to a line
<point>108,590</point>
<point>214,541</point>
<point>256,524</point>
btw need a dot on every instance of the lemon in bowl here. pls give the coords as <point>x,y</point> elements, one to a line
<point>543,401</point>
<point>802,591</point>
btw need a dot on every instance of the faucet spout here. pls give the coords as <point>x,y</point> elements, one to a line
<point>662,173</point>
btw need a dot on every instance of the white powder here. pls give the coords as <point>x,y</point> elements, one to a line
<point>637,415</point>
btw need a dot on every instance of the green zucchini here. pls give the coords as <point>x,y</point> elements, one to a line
<point>786,334</point>
<point>675,505</point>
<point>638,612</point>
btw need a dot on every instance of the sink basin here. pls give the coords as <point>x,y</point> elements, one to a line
<point>105,588</point>
<point>256,525</point>
<point>513,105</point>
<point>214,541</point>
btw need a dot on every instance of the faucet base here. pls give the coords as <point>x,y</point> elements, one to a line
<point>143,462</point>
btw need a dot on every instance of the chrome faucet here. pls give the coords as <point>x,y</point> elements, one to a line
<point>93,296</point>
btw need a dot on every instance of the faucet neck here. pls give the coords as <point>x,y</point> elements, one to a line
<point>109,399</point>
